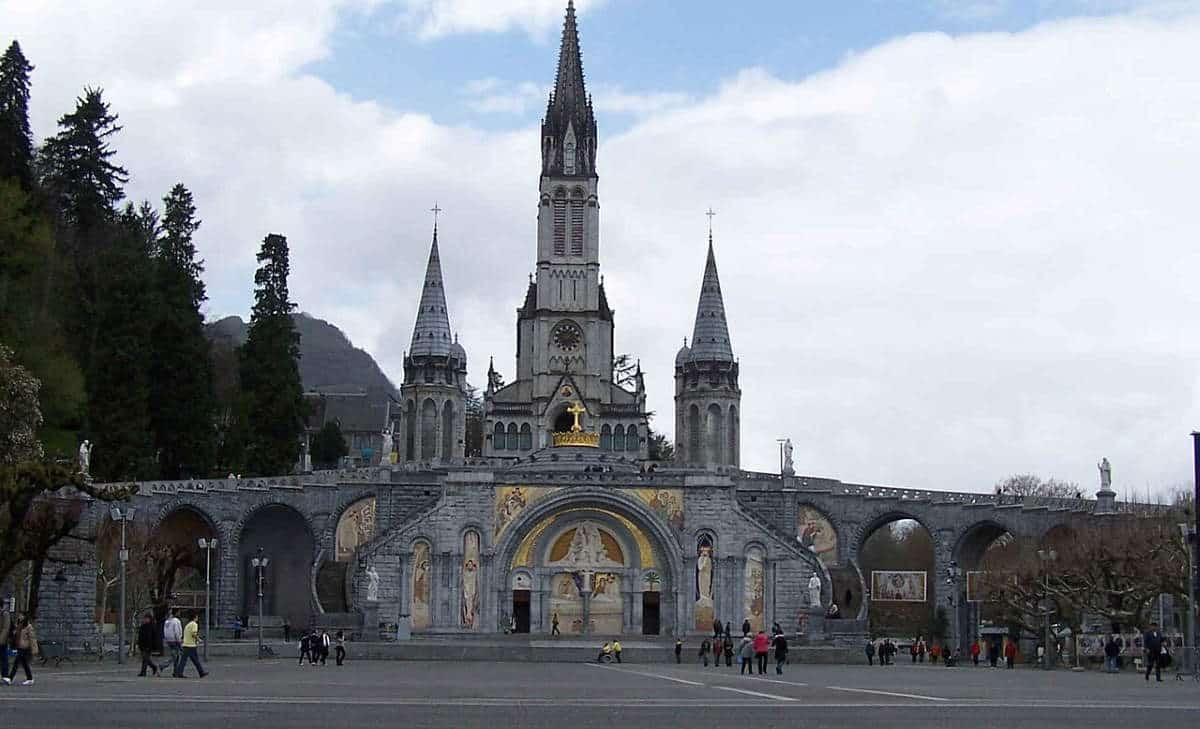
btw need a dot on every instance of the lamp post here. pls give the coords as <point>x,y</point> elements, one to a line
<point>953,574</point>
<point>260,562</point>
<point>124,517</point>
<point>208,545</point>
<point>1047,556</point>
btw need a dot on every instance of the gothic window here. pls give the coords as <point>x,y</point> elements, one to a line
<point>447,431</point>
<point>498,441</point>
<point>560,227</point>
<point>429,417</point>
<point>576,227</point>
<point>714,431</point>
<point>569,154</point>
<point>606,442</point>
<point>526,437</point>
<point>694,455</point>
<point>410,431</point>
<point>734,425</point>
<point>513,437</point>
<point>619,438</point>
<point>631,438</point>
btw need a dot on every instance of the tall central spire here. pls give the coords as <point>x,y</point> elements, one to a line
<point>431,334</point>
<point>710,337</point>
<point>569,128</point>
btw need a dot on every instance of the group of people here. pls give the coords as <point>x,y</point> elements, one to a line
<point>16,632</point>
<point>315,647</point>
<point>609,651</point>
<point>181,643</point>
<point>751,651</point>
<point>886,650</point>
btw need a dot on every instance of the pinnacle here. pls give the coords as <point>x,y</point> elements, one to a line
<point>431,333</point>
<point>710,337</point>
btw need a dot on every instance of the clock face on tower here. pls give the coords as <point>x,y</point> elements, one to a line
<point>567,337</point>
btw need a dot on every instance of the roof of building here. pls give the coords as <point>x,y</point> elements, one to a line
<point>431,333</point>
<point>710,337</point>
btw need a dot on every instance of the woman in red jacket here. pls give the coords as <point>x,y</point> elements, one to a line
<point>762,645</point>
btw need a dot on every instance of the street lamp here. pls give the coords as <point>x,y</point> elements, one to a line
<point>260,563</point>
<point>1047,556</point>
<point>208,545</point>
<point>953,575</point>
<point>124,517</point>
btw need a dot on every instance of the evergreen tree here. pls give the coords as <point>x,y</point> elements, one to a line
<point>16,141</point>
<point>329,446</point>
<point>84,187</point>
<point>181,381</point>
<point>118,384</point>
<point>272,392</point>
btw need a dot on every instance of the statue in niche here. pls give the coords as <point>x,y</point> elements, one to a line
<point>85,457</point>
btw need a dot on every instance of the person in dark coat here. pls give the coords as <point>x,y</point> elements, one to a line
<point>679,650</point>
<point>716,629</point>
<point>704,647</point>
<point>145,643</point>
<point>728,651</point>
<point>781,652</point>
<point>745,627</point>
<point>1152,645</point>
<point>305,649</point>
<point>870,651</point>
<point>1111,651</point>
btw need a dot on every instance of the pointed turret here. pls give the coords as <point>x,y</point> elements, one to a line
<point>431,334</point>
<point>710,337</point>
<point>569,128</point>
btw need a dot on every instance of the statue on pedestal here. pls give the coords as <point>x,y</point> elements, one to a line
<point>814,591</point>
<point>788,468</point>
<point>1105,475</point>
<point>372,584</point>
<point>85,457</point>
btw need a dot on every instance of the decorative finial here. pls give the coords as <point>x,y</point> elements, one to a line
<point>710,215</point>
<point>435,210</point>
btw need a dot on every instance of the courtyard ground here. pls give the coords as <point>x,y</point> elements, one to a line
<point>447,695</point>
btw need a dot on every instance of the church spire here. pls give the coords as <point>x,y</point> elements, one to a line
<point>569,128</point>
<point>710,337</point>
<point>431,334</point>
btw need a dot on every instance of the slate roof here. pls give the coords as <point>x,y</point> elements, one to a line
<point>431,334</point>
<point>710,336</point>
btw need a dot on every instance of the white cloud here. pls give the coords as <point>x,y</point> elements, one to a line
<point>495,96</point>
<point>944,261</point>
<point>437,18</point>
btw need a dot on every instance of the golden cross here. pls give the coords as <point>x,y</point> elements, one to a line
<point>576,409</point>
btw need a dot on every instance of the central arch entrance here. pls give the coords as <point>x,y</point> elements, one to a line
<point>589,565</point>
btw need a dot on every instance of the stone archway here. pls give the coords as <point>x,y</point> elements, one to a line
<point>639,565</point>
<point>287,540</point>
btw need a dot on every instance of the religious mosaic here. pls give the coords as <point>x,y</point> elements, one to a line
<point>897,586</point>
<point>754,592</point>
<point>512,500</point>
<point>420,586</point>
<point>817,534</point>
<point>469,612</point>
<point>704,584</point>
<point>355,528</point>
<point>667,503</point>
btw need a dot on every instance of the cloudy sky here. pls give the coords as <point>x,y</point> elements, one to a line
<point>957,240</point>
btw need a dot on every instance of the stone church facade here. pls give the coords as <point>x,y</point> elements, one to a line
<point>563,521</point>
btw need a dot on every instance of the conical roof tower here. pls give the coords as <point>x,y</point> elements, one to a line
<point>710,335</point>
<point>431,333</point>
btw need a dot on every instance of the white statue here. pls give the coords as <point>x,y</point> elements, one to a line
<point>1105,475</point>
<point>814,590</point>
<point>389,445</point>
<point>788,468</point>
<point>85,457</point>
<point>372,584</point>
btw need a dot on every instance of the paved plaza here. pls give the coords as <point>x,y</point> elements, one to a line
<point>278,693</point>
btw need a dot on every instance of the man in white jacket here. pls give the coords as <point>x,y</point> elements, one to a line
<point>173,640</point>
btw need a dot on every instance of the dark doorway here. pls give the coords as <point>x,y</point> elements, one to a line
<point>564,422</point>
<point>520,611</point>
<point>650,624</point>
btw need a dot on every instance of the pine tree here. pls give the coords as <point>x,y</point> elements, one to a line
<point>84,186</point>
<point>329,446</point>
<point>273,396</point>
<point>181,381</point>
<point>16,141</point>
<point>118,386</point>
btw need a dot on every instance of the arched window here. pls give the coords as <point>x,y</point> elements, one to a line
<point>410,430</point>
<point>498,441</point>
<point>429,417</point>
<point>694,456</point>
<point>631,438</point>
<point>513,437</point>
<point>447,431</point>
<point>577,226</point>
<point>734,426</point>
<point>606,442</point>
<point>619,438</point>
<point>560,224</point>
<point>714,431</point>
<point>526,437</point>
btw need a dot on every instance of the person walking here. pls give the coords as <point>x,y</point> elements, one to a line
<point>975,652</point>
<point>305,649</point>
<point>237,628</point>
<point>717,650</point>
<point>781,652</point>
<point>762,647</point>
<point>6,626</point>
<point>617,649</point>
<point>554,625</point>
<point>679,650</point>
<point>191,641</point>
<point>173,640</point>
<point>746,627</point>
<point>935,652</point>
<point>922,648</point>
<point>1152,650</point>
<point>728,630</point>
<point>325,644</point>
<point>869,649</point>
<point>716,628</point>
<point>287,631</point>
<point>27,647</point>
<point>340,655</point>
<point>704,646</point>
<point>145,644</point>
<point>912,650</point>
<point>1111,651</point>
<point>746,656</point>
<point>1010,653</point>
<point>728,651</point>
